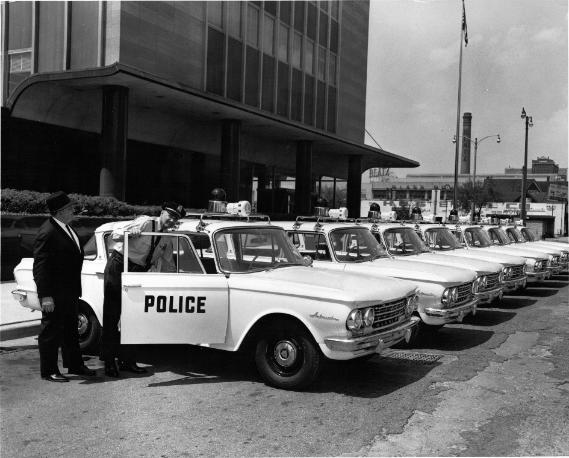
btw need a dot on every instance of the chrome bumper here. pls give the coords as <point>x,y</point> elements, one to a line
<point>537,276</point>
<point>377,342</point>
<point>512,285</point>
<point>454,314</point>
<point>485,297</point>
<point>21,296</point>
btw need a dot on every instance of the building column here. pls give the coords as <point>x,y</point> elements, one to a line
<point>303,181</point>
<point>114,135</point>
<point>230,158</point>
<point>354,187</point>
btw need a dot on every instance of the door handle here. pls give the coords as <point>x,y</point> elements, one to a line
<point>132,286</point>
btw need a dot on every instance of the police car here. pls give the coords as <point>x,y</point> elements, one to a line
<point>440,239</point>
<point>474,237</point>
<point>402,241</point>
<point>446,294</point>
<point>239,284</point>
<point>559,252</point>
<point>499,237</point>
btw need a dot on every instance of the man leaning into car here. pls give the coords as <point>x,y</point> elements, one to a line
<point>58,258</point>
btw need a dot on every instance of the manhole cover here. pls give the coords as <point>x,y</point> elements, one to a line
<point>424,358</point>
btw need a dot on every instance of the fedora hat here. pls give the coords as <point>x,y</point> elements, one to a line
<point>57,201</point>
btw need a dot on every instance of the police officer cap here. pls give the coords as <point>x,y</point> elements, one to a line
<point>57,201</point>
<point>175,210</point>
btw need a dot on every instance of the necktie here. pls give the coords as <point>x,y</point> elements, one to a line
<point>71,235</point>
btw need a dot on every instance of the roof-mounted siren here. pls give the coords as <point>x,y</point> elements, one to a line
<point>321,207</point>
<point>338,213</point>
<point>485,220</point>
<point>495,221</point>
<point>504,221</point>
<point>217,203</point>
<point>241,208</point>
<point>519,222</point>
<point>416,214</point>
<point>453,216</point>
<point>374,211</point>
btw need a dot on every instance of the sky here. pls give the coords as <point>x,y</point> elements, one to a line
<point>516,57</point>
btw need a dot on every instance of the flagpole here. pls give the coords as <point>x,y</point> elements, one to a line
<point>455,190</point>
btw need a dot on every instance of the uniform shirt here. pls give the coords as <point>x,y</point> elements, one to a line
<point>138,247</point>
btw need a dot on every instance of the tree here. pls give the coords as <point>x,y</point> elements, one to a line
<point>479,193</point>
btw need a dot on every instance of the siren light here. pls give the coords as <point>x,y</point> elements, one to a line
<point>339,213</point>
<point>241,208</point>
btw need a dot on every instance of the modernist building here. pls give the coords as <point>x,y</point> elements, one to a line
<point>152,100</point>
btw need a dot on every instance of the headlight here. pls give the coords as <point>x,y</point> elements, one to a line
<point>355,320</point>
<point>501,277</point>
<point>369,316</point>
<point>476,285</point>
<point>454,294</point>
<point>524,269</point>
<point>537,265</point>
<point>483,282</point>
<point>449,296</point>
<point>412,302</point>
<point>507,271</point>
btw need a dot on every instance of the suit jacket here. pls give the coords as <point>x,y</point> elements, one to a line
<point>57,262</point>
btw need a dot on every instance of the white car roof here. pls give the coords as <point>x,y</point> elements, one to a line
<point>311,225</point>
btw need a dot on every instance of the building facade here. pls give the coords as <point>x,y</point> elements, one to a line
<point>151,100</point>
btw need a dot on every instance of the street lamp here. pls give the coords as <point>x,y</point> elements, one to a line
<point>529,123</point>
<point>476,143</point>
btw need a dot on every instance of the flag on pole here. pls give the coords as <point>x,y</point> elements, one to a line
<point>464,28</point>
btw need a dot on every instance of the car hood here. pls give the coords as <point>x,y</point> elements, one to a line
<point>502,258</point>
<point>414,271</point>
<point>513,250</point>
<point>481,267</point>
<point>322,284</point>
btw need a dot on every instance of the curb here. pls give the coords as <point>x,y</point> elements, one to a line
<point>18,330</point>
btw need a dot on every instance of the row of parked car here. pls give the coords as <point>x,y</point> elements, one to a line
<point>294,293</point>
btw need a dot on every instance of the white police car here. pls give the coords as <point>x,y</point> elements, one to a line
<point>446,294</point>
<point>235,284</point>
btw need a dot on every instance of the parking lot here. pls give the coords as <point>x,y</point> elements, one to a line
<point>496,384</point>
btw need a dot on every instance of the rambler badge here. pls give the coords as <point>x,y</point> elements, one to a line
<point>322,317</point>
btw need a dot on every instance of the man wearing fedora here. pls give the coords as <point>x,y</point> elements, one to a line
<point>58,258</point>
<point>140,254</point>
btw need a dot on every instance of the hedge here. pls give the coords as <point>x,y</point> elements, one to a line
<point>33,202</point>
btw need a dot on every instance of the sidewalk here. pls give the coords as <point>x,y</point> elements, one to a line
<point>16,321</point>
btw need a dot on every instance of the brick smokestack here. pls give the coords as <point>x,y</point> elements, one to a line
<point>466,134</point>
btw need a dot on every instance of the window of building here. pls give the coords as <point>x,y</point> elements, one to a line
<point>332,69</point>
<point>334,36</point>
<point>20,19</point>
<point>51,36</point>
<point>269,35</point>
<point>296,96</point>
<point>335,8</point>
<point>309,100</point>
<point>20,65</point>
<point>299,8</point>
<point>309,56</point>
<point>331,119</point>
<point>253,26</point>
<point>234,69</point>
<point>234,21</point>
<point>285,12</point>
<point>296,50</point>
<point>271,7</point>
<point>321,63</point>
<point>268,84</point>
<point>283,42</point>
<point>252,77</point>
<point>323,31</point>
<point>215,61</point>
<point>215,13</point>
<point>311,21</point>
<point>321,105</point>
<point>282,89</point>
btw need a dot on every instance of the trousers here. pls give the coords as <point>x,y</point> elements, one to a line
<point>59,328</point>
<point>111,347</point>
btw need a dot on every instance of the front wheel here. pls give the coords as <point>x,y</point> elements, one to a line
<point>89,329</point>
<point>287,357</point>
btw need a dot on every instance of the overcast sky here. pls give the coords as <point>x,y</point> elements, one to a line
<point>516,57</point>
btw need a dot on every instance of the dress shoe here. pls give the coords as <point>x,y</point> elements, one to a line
<point>81,370</point>
<point>111,369</point>
<point>131,367</point>
<point>56,378</point>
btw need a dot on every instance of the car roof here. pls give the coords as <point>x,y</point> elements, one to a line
<point>313,225</point>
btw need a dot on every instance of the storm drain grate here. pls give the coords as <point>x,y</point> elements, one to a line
<point>424,358</point>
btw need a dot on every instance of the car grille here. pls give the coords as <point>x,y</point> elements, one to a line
<point>464,294</point>
<point>517,272</point>
<point>388,314</point>
<point>555,261</point>
<point>492,281</point>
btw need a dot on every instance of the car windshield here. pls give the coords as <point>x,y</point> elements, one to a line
<point>527,235</point>
<point>356,244</point>
<point>441,239</point>
<point>476,237</point>
<point>403,241</point>
<point>514,235</point>
<point>249,249</point>
<point>498,236</point>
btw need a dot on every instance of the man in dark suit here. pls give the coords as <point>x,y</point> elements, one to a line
<point>58,258</point>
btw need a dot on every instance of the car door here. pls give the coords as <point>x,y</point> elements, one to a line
<point>175,303</point>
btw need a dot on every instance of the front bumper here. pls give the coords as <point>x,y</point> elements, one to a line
<point>27,299</point>
<point>485,297</point>
<point>376,342</point>
<point>436,316</point>
<point>555,270</point>
<point>514,284</point>
<point>534,277</point>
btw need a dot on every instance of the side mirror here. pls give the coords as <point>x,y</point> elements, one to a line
<point>307,261</point>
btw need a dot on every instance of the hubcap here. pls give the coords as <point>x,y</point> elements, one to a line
<point>285,353</point>
<point>82,323</point>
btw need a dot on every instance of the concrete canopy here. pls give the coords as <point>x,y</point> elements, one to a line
<point>170,114</point>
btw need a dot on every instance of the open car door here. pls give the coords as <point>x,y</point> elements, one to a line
<point>175,301</point>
